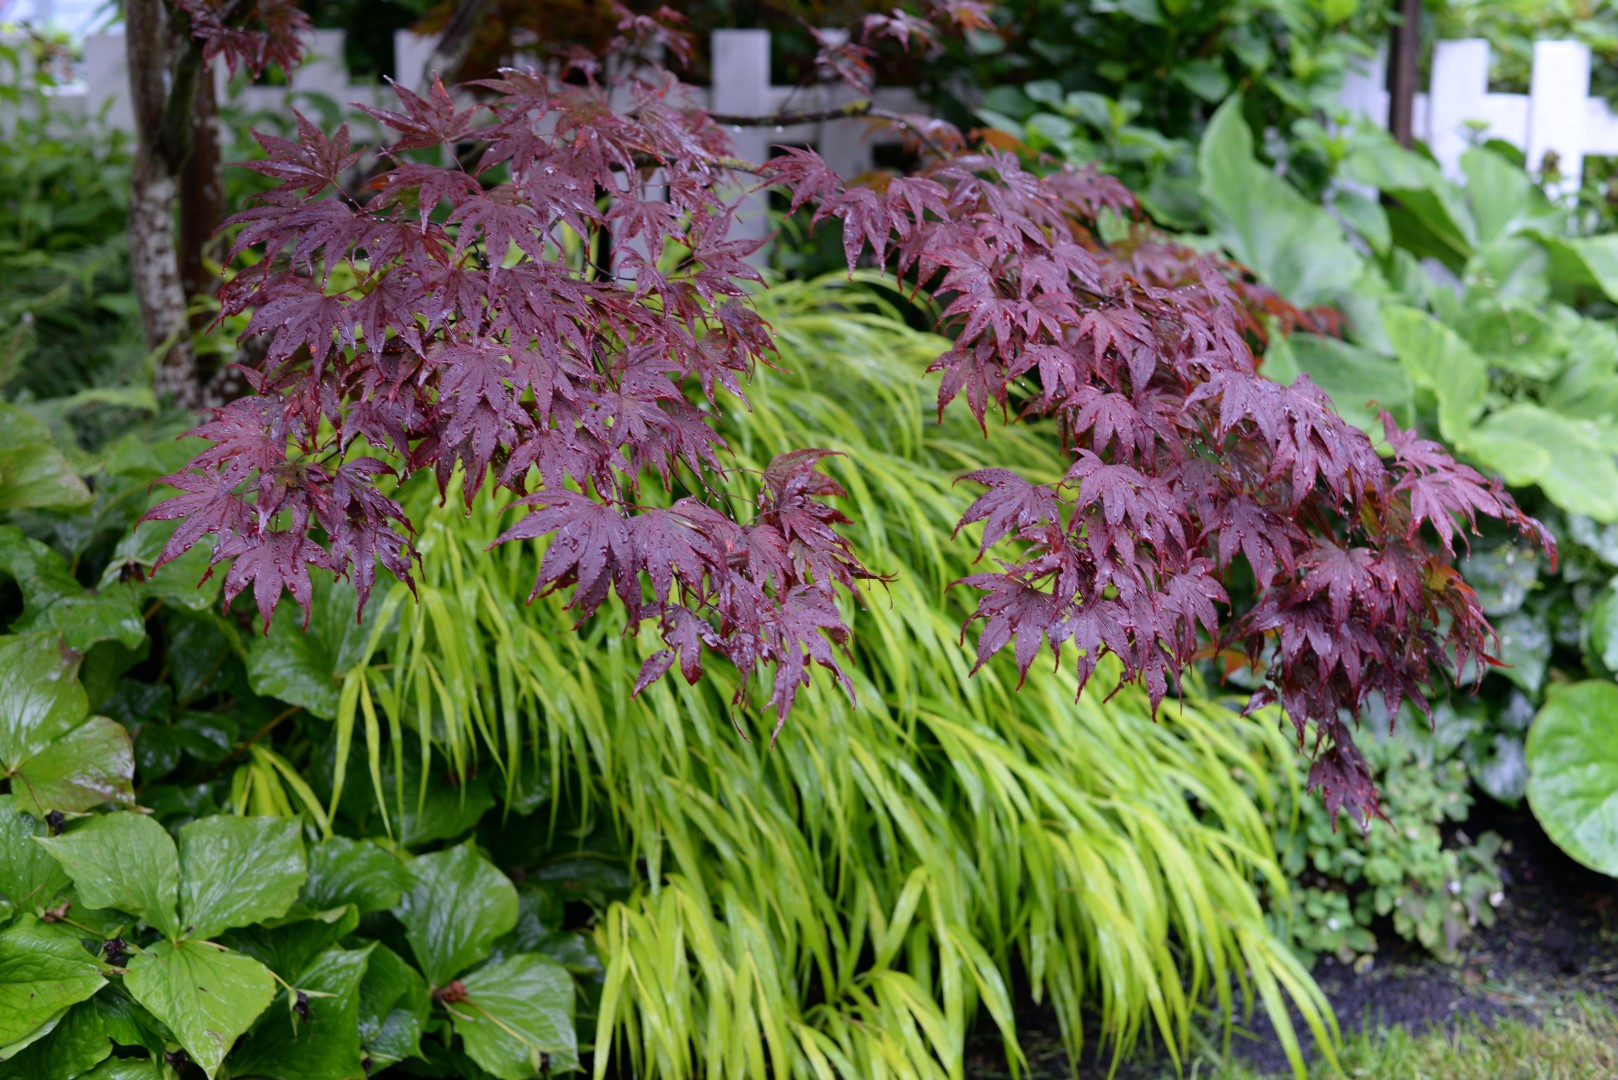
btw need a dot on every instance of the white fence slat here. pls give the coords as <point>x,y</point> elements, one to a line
<point>1557,93</point>
<point>106,79</point>
<point>1461,69</point>
<point>1365,88</point>
<point>741,87</point>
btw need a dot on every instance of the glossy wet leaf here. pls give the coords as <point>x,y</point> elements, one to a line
<point>1503,577</point>
<point>124,861</point>
<point>29,878</point>
<point>37,476</point>
<point>235,871</point>
<point>292,945</point>
<point>456,907</point>
<point>393,1008</point>
<point>74,1046</point>
<point>206,996</point>
<point>128,1022</point>
<point>126,1069</point>
<point>1293,245</point>
<point>178,584</point>
<point>305,666</point>
<point>1525,647</point>
<point>39,979</point>
<point>90,765</point>
<point>518,1017</point>
<point>1499,765</point>
<point>40,696</point>
<point>325,1044</point>
<point>54,600</point>
<point>358,872</point>
<point>1573,772</point>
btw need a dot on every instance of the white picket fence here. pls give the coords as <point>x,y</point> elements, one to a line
<point>1557,116</point>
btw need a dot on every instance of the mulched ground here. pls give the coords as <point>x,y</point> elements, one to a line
<point>1556,935</point>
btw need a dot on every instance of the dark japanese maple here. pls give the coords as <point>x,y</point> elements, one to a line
<point>472,328</point>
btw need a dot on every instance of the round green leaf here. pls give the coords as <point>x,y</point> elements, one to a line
<point>1573,772</point>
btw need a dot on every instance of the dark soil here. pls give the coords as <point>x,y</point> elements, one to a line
<point>1556,934</point>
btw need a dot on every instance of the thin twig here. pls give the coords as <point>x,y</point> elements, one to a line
<point>275,722</point>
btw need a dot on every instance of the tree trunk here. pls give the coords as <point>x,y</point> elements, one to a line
<point>202,199</point>
<point>153,258</point>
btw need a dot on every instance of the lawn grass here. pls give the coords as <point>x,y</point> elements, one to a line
<point>1574,1039</point>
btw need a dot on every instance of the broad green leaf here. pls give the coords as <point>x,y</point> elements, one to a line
<point>40,695</point>
<point>325,1045</point>
<point>1574,462</point>
<point>37,476</point>
<point>1514,337</point>
<point>358,872</point>
<point>393,1008</point>
<point>1500,194</point>
<point>29,877</point>
<point>1440,361</point>
<point>1600,632</point>
<point>74,1046</point>
<point>1573,772</point>
<point>1499,766</point>
<point>293,946</point>
<point>39,979</point>
<point>1358,381</point>
<point>1365,216</point>
<point>1293,245</point>
<point>238,870</point>
<point>124,861</point>
<point>54,600</point>
<point>206,996</point>
<point>1525,649</point>
<point>127,1021</point>
<point>1586,259</point>
<point>457,906</point>
<point>19,427</point>
<point>182,583</point>
<point>518,1017</point>
<point>305,666</point>
<point>1430,216</point>
<point>127,1069</point>
<point>1502,576</point>
<point>90,765</point>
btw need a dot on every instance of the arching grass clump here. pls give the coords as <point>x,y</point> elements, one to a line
<point>846,902</point>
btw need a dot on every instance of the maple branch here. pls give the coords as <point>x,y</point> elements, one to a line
<point>847,111</point>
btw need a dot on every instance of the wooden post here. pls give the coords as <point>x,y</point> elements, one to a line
<point>1404,69</point>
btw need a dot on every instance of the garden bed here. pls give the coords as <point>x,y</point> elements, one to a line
<point>1556,937</point>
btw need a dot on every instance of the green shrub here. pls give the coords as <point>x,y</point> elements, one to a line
<point>1434,892</point>
<point>67,315</point>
